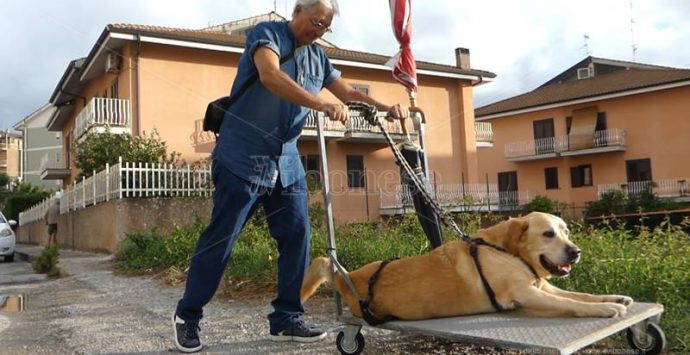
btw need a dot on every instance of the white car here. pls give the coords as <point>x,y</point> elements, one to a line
<point>7,238</point>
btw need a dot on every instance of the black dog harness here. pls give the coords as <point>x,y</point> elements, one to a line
<point>474,251</point>
<point>364,305</point>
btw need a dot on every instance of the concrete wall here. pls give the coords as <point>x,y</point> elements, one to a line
<point>104,226</point>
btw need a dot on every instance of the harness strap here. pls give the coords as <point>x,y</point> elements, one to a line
<point>480,241</point>
<point>368,316</point>
<point>489,291</point>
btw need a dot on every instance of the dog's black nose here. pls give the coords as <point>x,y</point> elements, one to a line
<point>573,253</point>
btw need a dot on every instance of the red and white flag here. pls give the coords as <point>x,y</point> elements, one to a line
<point>403,64</point>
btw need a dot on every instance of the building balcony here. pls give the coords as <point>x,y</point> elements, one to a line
<point>53,167</point>
<point>667,188</point>
<point>104,113</point>
<point>484,134</point>
<point>605,141</point>
<point>356,129</point>
<point>200,137</point>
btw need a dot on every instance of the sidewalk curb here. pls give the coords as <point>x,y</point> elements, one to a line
<point>25,256</point>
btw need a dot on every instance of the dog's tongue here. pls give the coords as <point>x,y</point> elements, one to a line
<point>564,268</point>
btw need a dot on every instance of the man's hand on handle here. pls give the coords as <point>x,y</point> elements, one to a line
<point>335,112</point>
<point>397,112</point>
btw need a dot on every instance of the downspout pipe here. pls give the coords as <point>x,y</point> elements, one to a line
<point>137,77</point>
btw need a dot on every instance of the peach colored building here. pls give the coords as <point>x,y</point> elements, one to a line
<point>10,155</point>
<point>600,125</point>
<point>139,78</point>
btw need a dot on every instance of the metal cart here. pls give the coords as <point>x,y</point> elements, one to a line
<point>504,330</point>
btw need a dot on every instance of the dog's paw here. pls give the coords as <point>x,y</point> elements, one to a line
<point>610,309</point>
<point>624,300</point>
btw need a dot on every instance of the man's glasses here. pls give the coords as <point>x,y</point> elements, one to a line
<point>319,26</point>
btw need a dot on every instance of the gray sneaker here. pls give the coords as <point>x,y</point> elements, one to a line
<point>298,331</point>
<point>186,335</point>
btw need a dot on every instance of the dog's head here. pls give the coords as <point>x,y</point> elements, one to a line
<point>540,239</point>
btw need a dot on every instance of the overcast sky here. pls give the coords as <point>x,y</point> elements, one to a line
<point>525,42</point>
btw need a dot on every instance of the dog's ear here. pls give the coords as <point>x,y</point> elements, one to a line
<point>517,228</point>
<point>515,235</point>
<point>506,232</point>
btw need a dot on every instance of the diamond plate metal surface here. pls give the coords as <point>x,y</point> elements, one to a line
<point>538,335</point>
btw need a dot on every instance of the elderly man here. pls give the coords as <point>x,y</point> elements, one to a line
<point>256,162</point>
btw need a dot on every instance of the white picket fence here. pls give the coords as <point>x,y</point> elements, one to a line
<point>128,180</point>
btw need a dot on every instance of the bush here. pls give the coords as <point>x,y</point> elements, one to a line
<point>541,204</point>
<point>22,199</point>
<point>615,202</point>
<point>611,202</point>
<point>46,263</point>
<point>98,149</point>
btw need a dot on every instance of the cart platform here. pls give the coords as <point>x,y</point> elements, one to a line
<point>533,335</point>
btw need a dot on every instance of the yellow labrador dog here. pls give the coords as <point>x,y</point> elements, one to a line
<point>509,271</point>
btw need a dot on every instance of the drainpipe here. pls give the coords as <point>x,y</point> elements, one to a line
<point>137,77</point>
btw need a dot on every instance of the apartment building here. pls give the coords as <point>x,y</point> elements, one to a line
<point>598,126</point>
<point>137,78</point>
<point>10,152</point>
<point>41,150</point>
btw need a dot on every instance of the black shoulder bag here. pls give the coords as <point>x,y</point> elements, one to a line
<point>216,109</point>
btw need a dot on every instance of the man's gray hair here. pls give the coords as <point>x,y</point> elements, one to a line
<point>329,4</point>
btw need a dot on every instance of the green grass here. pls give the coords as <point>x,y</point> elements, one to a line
<point>648,265</point>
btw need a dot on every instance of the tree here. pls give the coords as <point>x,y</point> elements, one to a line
<point>4,180</point>
<point>98,149</point>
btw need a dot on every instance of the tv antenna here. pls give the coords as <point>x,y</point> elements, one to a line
<point>632,33</point>
<point>586,46</point>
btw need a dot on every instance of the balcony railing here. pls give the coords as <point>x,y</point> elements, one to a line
<point>355,128</point>
<point>201,137</point>
<point>357,124</point>
<point>456,197</point>
<point>103,112</point>
<point>669,188</point>
<point>483,132</point>
<point>53,166</point>
<point>52,160</point>
<point>600,141</point>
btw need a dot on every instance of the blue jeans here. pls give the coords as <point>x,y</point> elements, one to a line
<point>234,201</point>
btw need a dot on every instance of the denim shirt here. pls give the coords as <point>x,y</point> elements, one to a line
<point>258,136</point>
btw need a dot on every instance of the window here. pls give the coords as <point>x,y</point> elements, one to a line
<point>639,170</point>
<point>551,178</point>
<point>543,136</point>
<point>361,88</point>
<point>312,167</point>
<point>355,171</point>
<point>114,89</point>
<point>507,188</point>
<point>581,176</point>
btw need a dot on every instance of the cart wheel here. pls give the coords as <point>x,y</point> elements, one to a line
<point>653,340</point>
<point>354,348</point>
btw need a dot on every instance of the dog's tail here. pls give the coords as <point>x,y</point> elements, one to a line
<point>319,272</point>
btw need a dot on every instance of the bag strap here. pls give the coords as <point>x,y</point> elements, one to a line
<point>252,80</point>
